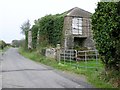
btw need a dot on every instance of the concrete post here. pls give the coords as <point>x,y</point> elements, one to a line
<point>58,52</point>
<point>29,39</point>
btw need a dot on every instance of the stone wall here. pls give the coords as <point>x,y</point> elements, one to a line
<point>50,52</point>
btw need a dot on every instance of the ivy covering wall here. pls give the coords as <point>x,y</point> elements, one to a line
<point>50,30</point>
<point>34,35</point>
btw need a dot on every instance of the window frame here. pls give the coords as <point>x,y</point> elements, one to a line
<point>77,23</point>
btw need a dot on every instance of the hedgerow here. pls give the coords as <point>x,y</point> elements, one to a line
<point>106,33</point>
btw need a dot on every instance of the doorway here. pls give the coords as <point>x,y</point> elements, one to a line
<point>78,42</point>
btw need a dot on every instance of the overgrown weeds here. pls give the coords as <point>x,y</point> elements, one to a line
<point>112,77</point>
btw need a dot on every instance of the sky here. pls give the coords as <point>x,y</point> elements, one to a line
<point>13,13</point>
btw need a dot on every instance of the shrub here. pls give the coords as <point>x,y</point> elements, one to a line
<point>106,33</point>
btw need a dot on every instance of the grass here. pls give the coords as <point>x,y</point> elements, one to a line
<point>82,64</point>
<point>92,74</point>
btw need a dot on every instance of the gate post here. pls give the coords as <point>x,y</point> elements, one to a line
<point>58,53</point>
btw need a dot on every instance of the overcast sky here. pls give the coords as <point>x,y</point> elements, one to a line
<point>13,13</point>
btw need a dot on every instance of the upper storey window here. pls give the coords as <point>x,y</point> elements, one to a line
<point>77,25</point>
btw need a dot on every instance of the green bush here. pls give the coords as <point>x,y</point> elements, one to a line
<point>2,44</point>
<point>50,30</point>
<point>106,33</point>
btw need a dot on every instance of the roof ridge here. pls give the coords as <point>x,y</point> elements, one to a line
<point>78,8</point>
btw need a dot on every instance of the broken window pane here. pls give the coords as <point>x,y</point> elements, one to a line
<point>77,25</point>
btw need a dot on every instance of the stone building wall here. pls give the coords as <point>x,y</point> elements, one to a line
<point>68,41</point>
<point>67,32</point>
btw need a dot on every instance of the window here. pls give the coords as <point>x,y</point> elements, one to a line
<point>77,25</point>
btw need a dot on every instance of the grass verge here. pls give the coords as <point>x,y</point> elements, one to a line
<point>91,74</point>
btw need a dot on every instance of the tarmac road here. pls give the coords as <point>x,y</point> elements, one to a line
<point>20,72</point>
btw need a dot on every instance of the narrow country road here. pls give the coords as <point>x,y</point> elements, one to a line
<point>20,72</point>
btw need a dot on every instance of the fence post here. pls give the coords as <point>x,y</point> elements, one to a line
<point>96,58</point>
<point>76,58</point>
<point>70,56</point>
<point>64,56</point>
<point>86,59</point>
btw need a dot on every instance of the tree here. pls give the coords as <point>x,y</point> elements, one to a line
<point>2,44</point>
<point>15,43</point>
<point>34,35</point>
<point>25,27</point>
<point>106,33</point>
<point>18,43</point>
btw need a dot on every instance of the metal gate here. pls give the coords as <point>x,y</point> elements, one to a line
<point>74,57</point>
